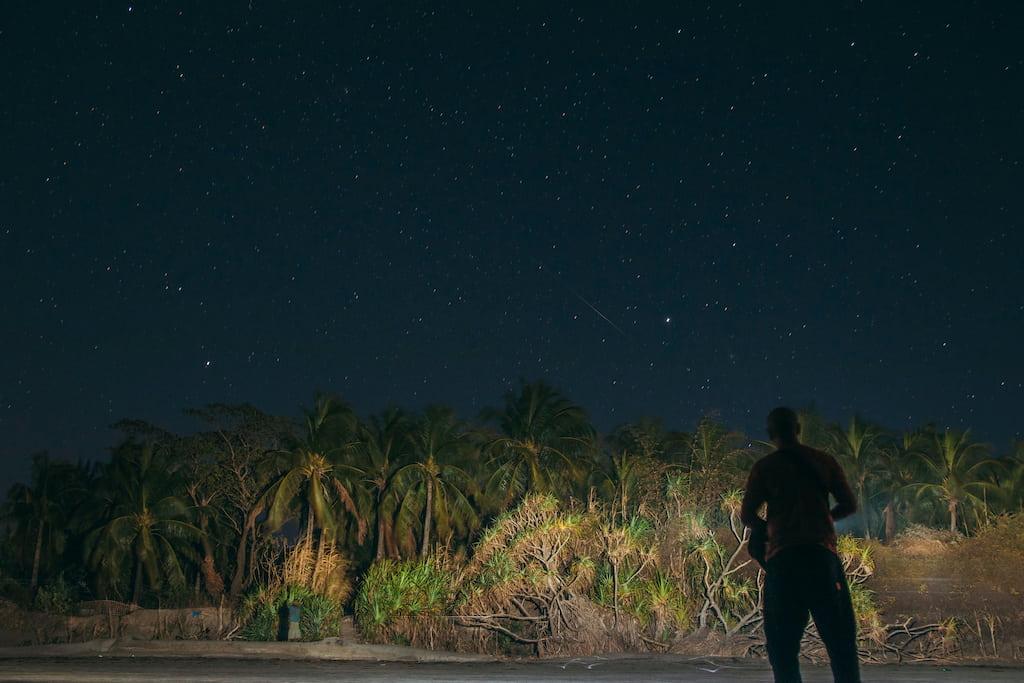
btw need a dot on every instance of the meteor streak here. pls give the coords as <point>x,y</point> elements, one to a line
<point>606,319</point>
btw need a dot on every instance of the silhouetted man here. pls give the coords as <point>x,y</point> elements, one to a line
<point>803,574</point>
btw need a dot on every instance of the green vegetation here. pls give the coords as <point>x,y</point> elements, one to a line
<point>525,531</point>
<point>398,597</point>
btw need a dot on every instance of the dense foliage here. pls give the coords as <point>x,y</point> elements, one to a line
<point>528,500</point>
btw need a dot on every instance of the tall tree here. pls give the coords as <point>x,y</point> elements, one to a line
<point>814,429</point>
<point>956,468</point>
<point>232,464</point>
<point>145,525</point>
<point>644,437</point>
<point>716,461</point>
<point>899,460</point>
<point>198,455</point>
<point>858,449</point>
<point>546,444</point>
<point>433,487</point>
<point>41,511</point>
<point>308,487</point>
<point>380,451</point>
<point>1011,482</point>
<point>630,474</point>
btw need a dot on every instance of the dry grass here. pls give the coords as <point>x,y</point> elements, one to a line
<point>323,570</point>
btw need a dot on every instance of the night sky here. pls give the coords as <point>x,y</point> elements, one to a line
<point>661,209</point>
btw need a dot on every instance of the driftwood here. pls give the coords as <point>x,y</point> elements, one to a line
<point>925,643</point>
<point>905,641</point>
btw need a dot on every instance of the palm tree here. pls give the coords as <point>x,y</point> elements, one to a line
<point>814,430</point>
<point>956,467</point>
<point>898,461</point>
<point>309,474</point>
<point>145,524</point>
<point>644,437</point>
<point>1012,481</point>
<point>716,462</point>
<point>432,484</point>
<point>546,442</point>
<point>42,510</point>
<point>630,475</point>
<point>378,454</point>
<point>858,450</point>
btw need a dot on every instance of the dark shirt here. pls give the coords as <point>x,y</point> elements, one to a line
<point>795,482</point>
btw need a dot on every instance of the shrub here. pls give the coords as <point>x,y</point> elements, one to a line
<point>859,564</point>
<point>57,597</point>
<point>320,618</point>
<point>260,615</point>
<point>397,599</point>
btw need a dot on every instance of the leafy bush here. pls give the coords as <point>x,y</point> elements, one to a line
<point>57,597</point>
<point>859,564</point>
<point>395,593</point>
<point>260,614</point>
<point>662,606</point>
<point>320,618</point>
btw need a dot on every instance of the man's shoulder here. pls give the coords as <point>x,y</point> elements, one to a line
<point>786,454</point>
<point>817,453</point>
<point>774,459</point>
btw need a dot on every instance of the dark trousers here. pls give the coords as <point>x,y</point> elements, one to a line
<point>803,581</point>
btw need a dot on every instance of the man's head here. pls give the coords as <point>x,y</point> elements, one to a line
<point>783,425</point>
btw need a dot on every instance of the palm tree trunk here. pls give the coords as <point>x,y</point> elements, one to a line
<point>321,550</point>
<point>615,591</point>
<point>890,521</point>
<point>864,511</point>
<point>240,555</point>
<point>238,581</point>
<point>427,517</point>
<point>380,531</point>
<point>38,553</point>
<point>137,588</point>
<point>380,540</point>
<point>212,579</point>
<point>250,575</point>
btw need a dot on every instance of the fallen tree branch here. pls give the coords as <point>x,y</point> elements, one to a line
<point>487,624</point>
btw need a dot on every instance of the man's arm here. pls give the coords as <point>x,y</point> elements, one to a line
<point>846,501</point>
